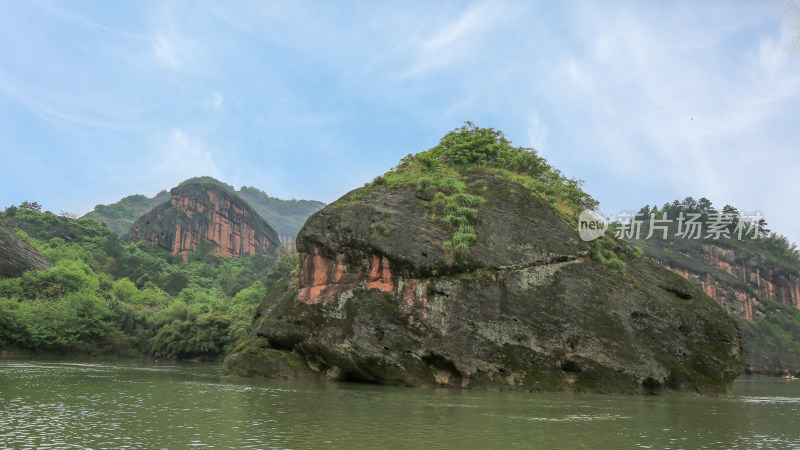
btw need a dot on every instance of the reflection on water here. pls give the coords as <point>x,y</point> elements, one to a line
<point>170,405</point>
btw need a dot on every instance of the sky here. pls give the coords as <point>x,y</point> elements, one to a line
<point>646,101</point>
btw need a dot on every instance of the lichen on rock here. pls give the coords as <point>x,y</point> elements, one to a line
<point>526,308</point>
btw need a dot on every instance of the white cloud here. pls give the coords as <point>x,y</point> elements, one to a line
<point>662,107</point>
<point>172,51</point>
<point>217,99</point>
<point>213,101</point>
<point>537,131</point>
<point>182,156</point>
<point>453,40</point>
<point>172,48</point>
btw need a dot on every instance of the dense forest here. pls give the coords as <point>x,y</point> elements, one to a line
<point>106,296</point>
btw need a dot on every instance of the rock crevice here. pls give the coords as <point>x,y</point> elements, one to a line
<point>199,213</point>
<point>529,312</point>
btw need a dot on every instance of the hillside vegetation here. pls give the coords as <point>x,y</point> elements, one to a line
<point>105,296</point>
<point>121,215</point>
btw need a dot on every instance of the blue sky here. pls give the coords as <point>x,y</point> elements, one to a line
<point>646,101</point>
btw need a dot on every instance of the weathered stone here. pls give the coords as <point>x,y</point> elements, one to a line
<point>531,313</point>
<point>207,211</point>
<point>16,256</point>
<point>740,279</point>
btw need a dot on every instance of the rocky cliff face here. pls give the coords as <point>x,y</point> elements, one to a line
<point>286,217</point>
<point>16,256</point>
<point>754,278</point>
<point>200,212</point>
<point>763,294</point>
<point>375,300</point>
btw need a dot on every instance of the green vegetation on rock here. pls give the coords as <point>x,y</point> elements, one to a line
<point>482,281</point>
<point>445,175</point>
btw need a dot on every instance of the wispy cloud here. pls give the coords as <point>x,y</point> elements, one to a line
<point>180,155</point>
<point>537,131</point>
<point>218,98</point>
<point>63,110</point>
<point>453,40</point>
<point>74,17</point>
<point>172,51</point>
<point>663,108</point>
<point>172,47</point>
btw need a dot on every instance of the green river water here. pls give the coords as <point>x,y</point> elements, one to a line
<point>134,404</point>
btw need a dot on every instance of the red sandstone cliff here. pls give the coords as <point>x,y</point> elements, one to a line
<point>201,212</point>
<point>754,284</point>
<point>737,280</point>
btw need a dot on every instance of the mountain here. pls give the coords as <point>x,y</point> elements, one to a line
<point>16,256</point>
<point>285,216</point>
<point>120,216</point>
<point>463,268</point>
<point>206,212</point>
<point>756,279</point>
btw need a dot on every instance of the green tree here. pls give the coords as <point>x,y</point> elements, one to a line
<point>471,144</point>
<point>125,291</point>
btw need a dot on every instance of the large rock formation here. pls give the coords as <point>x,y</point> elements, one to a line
<point>284,216</point>
<point>752,284</point>
<point>199,212</point>
<point>376,300</point>
<point>16,256</point>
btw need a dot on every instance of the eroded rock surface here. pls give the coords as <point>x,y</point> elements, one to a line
<point>205,211</point>
<point>16,256</point>
<point>763,294</point>
<point>530,312</point>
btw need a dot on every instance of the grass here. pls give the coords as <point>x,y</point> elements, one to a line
<point>455,204</point>
<point>378,229</point>
<point>610,253</point>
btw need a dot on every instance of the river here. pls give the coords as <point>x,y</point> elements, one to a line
<point>133,404</point>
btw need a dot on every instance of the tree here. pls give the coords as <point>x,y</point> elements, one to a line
<point>31,206</point>
<point>731,213</point>
<point>704,205</point>
<point>472,145</point>
<point>175,282</point>
<point>689,204</point>
<point>762,228</point>
<point>124,290</point>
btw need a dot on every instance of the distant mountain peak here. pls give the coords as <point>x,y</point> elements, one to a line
<point>209,212</point>
<point>285,216</point>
